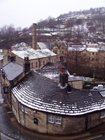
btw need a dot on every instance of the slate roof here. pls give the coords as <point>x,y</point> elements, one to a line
<point>40,93</point>
<point>33,54</point>
<point>42,45</point>
<point>54,72</point>
<point>51,65</point>
<point>12,70</point>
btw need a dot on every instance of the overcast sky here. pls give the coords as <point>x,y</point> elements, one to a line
<point>23,13</point>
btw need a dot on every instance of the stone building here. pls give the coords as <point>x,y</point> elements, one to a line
<point>86,59</point>
<point>38,58</point>
<point>11,73</point>
<point>44,101</point>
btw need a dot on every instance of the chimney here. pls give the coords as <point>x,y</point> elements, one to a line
<point>12,57</point>
<point>63,77</point>
<point>26,65</point>
<point>34,43</point>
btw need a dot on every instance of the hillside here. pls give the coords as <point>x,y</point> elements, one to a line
<point>74,27</point>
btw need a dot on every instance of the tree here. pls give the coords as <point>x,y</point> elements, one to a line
<point>79,21</point>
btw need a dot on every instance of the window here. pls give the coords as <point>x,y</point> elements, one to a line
<point>39,63</point>
<point>8,58</point>
<point>51,118</point>
<point>43,62</point>
<point>93,53</point>
<point>14,110</point>
<point>22,108</point>
<point>84,54</point>
<point>46,61</point>
<point>26,110</point>
<point>54,119</point>
<point>55,51</point>
<point>55,60</point>
<point>58,120</point>
<point>62,52</point>
<point>92,59</point>
<point>102,115</point>
<point>31,65</point>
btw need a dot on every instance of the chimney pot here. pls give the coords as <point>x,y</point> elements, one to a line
<point>62,70</point>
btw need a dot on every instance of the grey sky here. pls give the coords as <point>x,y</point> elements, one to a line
<point>22,13</point>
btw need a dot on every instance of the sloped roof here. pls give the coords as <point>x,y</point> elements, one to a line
<point>51,65</point>
<point>12,70</point>
<point>92,49</point>
<point>53,72</point>
<point>22,44</point>
<point>42,45</point>
<point>102,48</point>
<point>40,93</point>
<point>33,54</point>
<point>77,48</point>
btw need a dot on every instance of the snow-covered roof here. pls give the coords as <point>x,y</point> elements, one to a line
<point>89,44</point>
<point>32,54</point>
<point>12,70</point>
<point>22,44</point>
<point>46,34</point>
<point>77,48</point>
<point>102,48</point>
<point>101,43</point>
<point>42,45</point>
<point>43,94</point>
<point>92,49</point>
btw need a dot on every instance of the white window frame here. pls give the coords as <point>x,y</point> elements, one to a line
<point>50,118</point>
<point>102,114</point>
<point>58,120</point>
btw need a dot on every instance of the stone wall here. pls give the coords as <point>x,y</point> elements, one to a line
<point>76,84</point>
